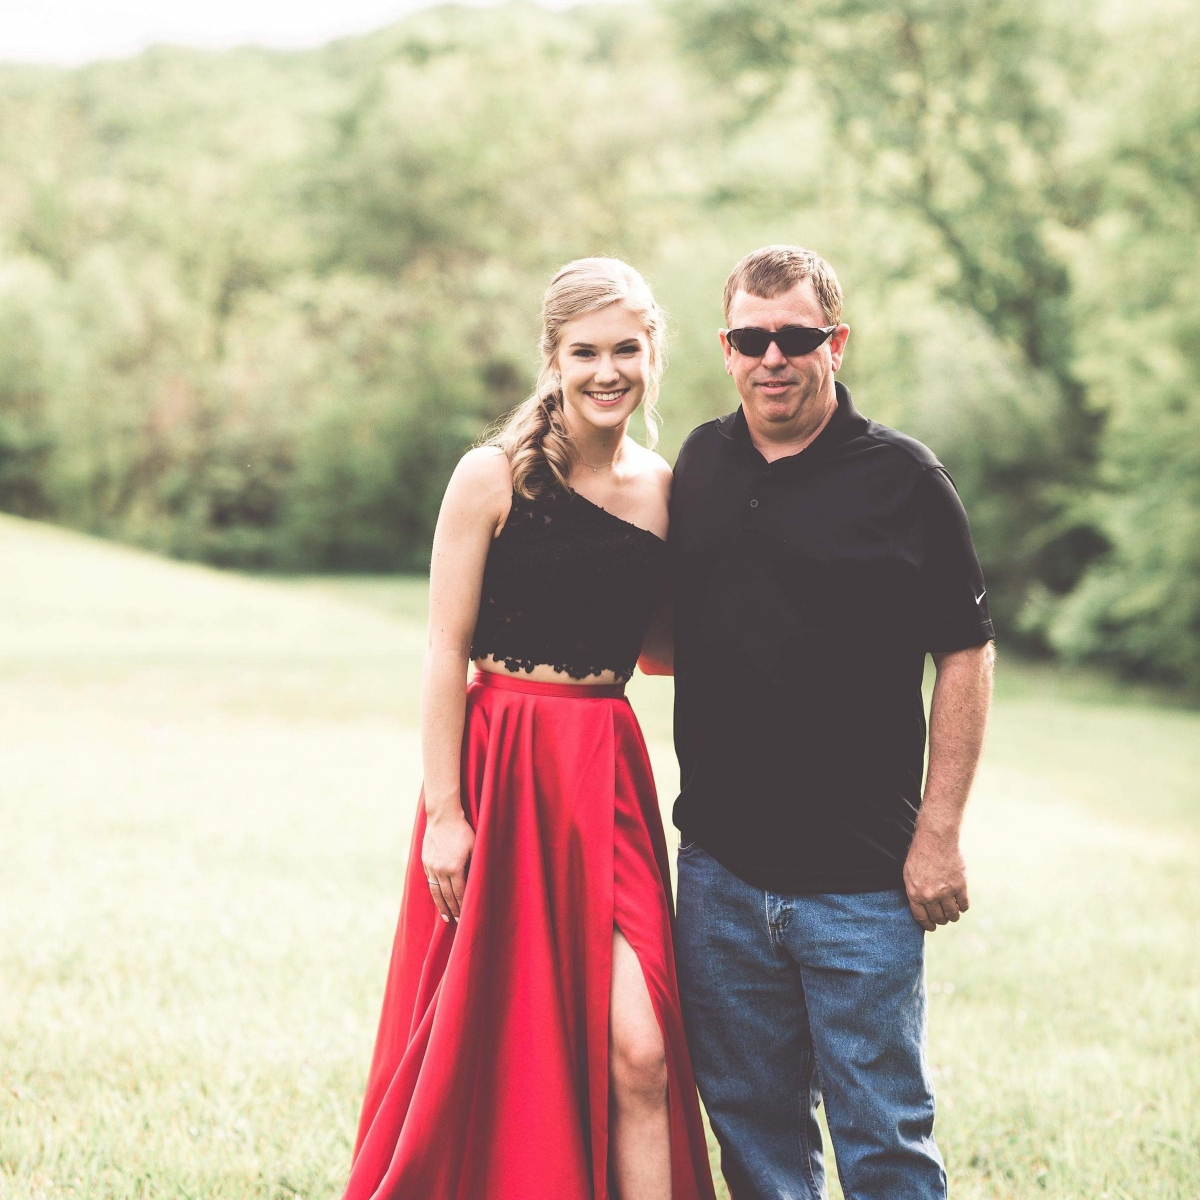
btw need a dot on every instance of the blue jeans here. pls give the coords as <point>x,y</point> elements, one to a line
<point>789,999</point>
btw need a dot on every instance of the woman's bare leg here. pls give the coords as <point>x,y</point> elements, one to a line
<point>639,1143</point>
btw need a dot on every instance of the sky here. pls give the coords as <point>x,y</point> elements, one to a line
<point>70,32</point>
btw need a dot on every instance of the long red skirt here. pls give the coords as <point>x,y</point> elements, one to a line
<point>490,1074</point>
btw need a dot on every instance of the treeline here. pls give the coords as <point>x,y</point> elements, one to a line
<point>253,305</point>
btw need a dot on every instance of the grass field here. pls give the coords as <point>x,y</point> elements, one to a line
<point>206,789</point>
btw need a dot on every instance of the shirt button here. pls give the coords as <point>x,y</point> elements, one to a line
<point>753,503</point>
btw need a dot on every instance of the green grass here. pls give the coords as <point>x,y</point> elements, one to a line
<point>206,790</point>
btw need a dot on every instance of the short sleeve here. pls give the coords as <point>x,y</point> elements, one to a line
<point>953,596</point>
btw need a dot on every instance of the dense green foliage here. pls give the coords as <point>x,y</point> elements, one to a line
<point>253,305</point>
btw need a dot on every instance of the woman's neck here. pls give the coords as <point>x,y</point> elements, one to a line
<point>595,447</point>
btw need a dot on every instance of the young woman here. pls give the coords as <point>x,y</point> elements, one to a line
<point>531,1042</point>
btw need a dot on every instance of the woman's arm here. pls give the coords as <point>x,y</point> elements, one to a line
<point>658,646</point>
<point>475,506</point>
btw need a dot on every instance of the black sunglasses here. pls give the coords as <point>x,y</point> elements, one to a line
<point>792,340</point>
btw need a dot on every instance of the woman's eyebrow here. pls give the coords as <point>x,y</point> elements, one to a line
<point>629,341</point>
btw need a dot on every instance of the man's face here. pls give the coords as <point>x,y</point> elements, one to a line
<point>776,389</point>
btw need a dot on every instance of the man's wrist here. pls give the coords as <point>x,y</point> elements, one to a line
<point>941,826</point>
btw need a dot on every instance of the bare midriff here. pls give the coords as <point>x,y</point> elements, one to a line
<point>544,673</point>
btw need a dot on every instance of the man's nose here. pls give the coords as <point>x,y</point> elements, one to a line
<point>774,357</point>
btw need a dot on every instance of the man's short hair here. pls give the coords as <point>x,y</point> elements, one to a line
<point>773,270</point>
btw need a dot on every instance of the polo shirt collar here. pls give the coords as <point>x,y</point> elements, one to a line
<point>844,423</point>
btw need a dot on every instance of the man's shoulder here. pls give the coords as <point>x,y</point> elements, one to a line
<point>902,450</point>
<point>703,439</point>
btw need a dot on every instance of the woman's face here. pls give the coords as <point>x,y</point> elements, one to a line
<point>604,361</point>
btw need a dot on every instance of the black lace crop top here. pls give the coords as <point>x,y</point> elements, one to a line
<point>570,585</point>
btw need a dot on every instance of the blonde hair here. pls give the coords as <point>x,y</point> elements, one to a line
<point>534,436</point>
<point>773,270</point>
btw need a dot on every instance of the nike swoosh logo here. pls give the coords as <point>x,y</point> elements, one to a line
<point>979,598</point>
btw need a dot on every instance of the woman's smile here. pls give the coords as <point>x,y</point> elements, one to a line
<point>610,397</point>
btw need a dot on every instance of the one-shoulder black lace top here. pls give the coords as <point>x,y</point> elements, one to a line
<point>570,585</point>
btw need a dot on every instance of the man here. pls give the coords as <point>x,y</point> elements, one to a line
<point>819,557</point>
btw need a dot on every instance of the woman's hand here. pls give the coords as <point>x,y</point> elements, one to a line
<point>445,853</point>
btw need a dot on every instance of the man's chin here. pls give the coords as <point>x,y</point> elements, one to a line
<point>776,410</point>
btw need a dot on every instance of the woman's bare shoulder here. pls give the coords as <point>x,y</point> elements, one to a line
<point>650,491</point>
<point>481,484</point>
<point>654,470</point>
<point>486,469</point>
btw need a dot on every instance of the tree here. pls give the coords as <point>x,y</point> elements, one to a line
<point>954,117</point>
<point>1138,607</point>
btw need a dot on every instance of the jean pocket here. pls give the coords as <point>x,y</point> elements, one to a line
<point>688,847</point>
<point>713,933</point>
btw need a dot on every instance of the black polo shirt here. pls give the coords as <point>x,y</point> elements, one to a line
<point>807,594</point>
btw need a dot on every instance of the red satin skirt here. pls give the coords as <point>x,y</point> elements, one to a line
<point>490,1074</point>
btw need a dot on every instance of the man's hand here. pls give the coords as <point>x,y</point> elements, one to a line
<point>935,878</point>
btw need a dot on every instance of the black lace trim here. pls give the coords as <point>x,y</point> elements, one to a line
<point>568,585</point>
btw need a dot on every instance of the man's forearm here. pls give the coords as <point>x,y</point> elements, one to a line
<point>935,875</point>
<point>958,715</point>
